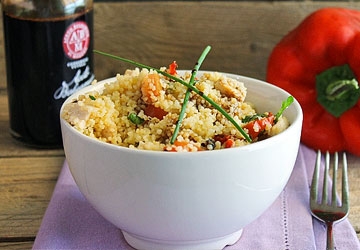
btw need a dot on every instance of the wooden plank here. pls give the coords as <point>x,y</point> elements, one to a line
<point>4,112</point>
<point>238,32</point>
<point>26,186</point>
<point>242,33</point>
<point>25,245</point>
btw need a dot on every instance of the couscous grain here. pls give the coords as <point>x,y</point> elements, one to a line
<point>140,110</point>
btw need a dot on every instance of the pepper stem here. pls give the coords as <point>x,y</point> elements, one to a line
<point>337,89</point>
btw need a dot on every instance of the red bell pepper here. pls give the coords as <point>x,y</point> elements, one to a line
<point>151,110</point>
<point>172,68</point>
<point>258,126</point>
<point>318,62</point>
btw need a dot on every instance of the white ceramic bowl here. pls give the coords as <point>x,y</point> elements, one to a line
<point>199,200</point>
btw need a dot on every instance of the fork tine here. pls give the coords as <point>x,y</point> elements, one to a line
<point>325,181</point>
<point>345,184</point>
<point>329,212</point>
<point>314,182</point>
<point>334,182</point>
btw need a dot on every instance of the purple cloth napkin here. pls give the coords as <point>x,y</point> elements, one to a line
<point>71,223</point>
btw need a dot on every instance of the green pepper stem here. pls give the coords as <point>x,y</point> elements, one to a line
<point>336,90</point>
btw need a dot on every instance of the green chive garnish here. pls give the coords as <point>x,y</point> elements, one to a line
<point>187,94</point>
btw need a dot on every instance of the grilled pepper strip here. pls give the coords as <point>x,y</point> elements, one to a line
<point>318,62</point>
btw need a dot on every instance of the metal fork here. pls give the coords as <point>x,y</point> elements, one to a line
<point>329,211</point>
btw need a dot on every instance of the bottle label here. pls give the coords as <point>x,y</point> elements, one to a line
<point>76,42</point>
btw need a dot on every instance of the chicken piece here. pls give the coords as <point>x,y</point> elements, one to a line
<point>75,113</point>
<point>231,88</point>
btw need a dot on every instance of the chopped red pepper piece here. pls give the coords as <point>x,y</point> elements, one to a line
<point>222,138</point>
<point>258,126</point>
<point>229,143</point>
<point>152,111</point>
<point>172,68</point>
<point>225,140</point>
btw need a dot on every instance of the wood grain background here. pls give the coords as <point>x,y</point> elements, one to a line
<point>242,34</point>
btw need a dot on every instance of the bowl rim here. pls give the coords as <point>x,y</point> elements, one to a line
<point>250,147</point>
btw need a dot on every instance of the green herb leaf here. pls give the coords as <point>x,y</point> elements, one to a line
<point>92,97</point>
<point>337,89</point>
<point>285,104</point>
<point>134,118</point>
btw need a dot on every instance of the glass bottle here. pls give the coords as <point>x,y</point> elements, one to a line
<point>48,50</point>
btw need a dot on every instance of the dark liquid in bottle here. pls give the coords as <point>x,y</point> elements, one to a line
<point>40,75</point>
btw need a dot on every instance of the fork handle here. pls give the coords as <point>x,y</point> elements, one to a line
<point>330,237</point>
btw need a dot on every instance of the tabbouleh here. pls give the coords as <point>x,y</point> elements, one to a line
<point>141,107</point>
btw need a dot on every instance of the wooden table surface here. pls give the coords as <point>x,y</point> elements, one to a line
<point>242,35</point>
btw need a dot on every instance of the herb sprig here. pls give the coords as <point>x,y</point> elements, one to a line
<point>284,105</point>
<point>188,85</point>
<point>187,94</point>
